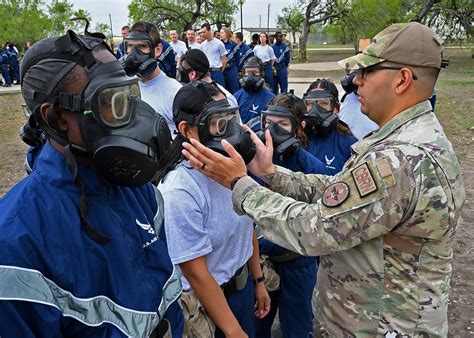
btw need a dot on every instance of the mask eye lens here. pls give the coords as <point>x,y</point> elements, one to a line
<point>219,122</point>
<point>115,104</point>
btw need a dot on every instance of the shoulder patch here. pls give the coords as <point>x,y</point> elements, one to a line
<point>364,180</point>
<point>335,194</point>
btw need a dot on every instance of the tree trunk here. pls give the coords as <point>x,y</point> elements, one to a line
<point>305,32</point>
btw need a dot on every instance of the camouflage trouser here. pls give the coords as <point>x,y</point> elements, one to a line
<point>272,280</point>
<point>197,323</point>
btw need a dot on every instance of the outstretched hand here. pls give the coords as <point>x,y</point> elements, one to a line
<point>220,168</point>
<point>262,164</point>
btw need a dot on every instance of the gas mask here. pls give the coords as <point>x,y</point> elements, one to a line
<point>182,74</point>
<point>320,120</point>
<point>221,121</point>
<point>137,62</point>
<point>347,82</point>
<point>284,142</point>
<point>124,137</point>
<point>252,82</point>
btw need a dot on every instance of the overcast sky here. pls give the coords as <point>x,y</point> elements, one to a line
<point>118,9</point>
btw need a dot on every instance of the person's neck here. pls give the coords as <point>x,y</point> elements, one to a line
<point>238,43</point>
<point>155,74</point>
<point>191,42</point>
<point>210,39</point>
<point>263,44</point>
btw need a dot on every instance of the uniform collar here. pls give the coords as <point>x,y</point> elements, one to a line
<point>391,126</point>
<point>51,165</point>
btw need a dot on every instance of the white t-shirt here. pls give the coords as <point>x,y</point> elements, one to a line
<point>231,98</point>
<point>159,93</point>
<point>179,48</point>
<point>214,49</point>
<point>350,113</point>
<point>194,45</point>
<point>200,221</point>
<point>264,53</point>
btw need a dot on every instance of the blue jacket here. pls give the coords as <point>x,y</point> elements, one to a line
<point>333,149</point>
<point>282,54</point>
<point>299,161</point>
<point>252,103</point>
<point>244,53</point>
<point>120,50</point>
<point>55,281</point>
<point>166,61</point>
<point>232,53</point>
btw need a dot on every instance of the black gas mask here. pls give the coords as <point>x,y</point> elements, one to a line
<point>252,82</point>
<point>182,74</point>
<point>320,120</point>
<point>347,82</point>
<point>137,62</point>
<point>124,137</point>
<point>284,142</point>
<point>220,121</point>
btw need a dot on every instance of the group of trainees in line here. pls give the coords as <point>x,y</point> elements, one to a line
<point>219,252</point>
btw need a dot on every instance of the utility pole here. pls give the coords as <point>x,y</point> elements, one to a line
<point>268,22</point>
<point>260,24</point>
<point>111,33</point>
<point>241,2</point>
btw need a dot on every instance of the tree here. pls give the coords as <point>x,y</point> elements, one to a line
<point>291,20</point>
<point>319,12</point>
<point>171,14</point>
<point>452,19</point>
<point>23,21</point>
<point>61,12</point>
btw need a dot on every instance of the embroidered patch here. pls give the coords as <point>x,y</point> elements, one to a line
<point>335,194</point>
<point>363,180</point>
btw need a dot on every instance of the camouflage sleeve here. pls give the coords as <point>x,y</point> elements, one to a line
<point>363,203</point>
<point>301,187</point>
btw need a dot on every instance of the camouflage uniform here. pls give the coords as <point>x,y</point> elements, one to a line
<point>386,248</point>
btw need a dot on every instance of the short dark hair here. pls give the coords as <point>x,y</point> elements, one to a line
<point>239,35</point>
<point>126,27</point>
<point>206,25</point>
<point>148,28</point>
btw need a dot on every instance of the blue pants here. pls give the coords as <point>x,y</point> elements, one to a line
<point>15,70</point>
<point>6,74</point>
<point>281,79</point>
<point>293,299</point>
<point>218,77</point>
<point>242,305</point>
<point>231,77</point>
<point>269,75</point>
<point>176,319</point>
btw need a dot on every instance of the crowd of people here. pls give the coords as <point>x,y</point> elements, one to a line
<point>179,190</point>
<point>10,66</point>
<point>227,52</point>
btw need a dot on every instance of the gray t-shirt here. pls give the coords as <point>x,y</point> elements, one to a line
<point>350,113</point>
<point>159,93</point>
<point>200,221</point>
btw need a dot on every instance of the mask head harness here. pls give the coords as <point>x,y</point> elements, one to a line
<point>124,137</point>
<point>137,62</point>
<point>285,143</point>
<point>193,59</point>
<point>320,120</point>
<point>252,82</point>
<point>217,121</point>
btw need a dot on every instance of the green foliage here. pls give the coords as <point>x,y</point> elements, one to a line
<point>33,20</point>
<point>171,14</point>
<point>23,21</point>
<point>291,20</point>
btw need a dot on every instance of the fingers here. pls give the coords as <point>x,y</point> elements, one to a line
<point>268,140</point>
<point>231,150</point>
<point>254,136</point>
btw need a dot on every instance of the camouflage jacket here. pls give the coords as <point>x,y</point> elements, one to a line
<point>385,226</point>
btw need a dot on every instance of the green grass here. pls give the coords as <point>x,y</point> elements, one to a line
<point>11,116</point>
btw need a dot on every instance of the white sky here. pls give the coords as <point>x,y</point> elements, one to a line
<point>252,9</point>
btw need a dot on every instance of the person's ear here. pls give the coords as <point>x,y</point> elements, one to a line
<point>53,118</point>
<point>158,50</point>
<point>183,129</point>
<point>403,81</point>
<point>193,75</point>
<point>303,124</point>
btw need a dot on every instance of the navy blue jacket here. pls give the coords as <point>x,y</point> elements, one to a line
<point>282,54</point>
<point>232,53</point>
<point>244,53</point>
<point>55,281</point>
<point>166,60</point>
<point>252,103</point>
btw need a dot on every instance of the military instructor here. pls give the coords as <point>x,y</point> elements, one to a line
<point>385,225</point>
